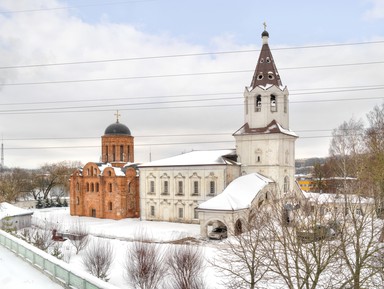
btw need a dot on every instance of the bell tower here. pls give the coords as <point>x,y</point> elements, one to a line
<point>264,144</point>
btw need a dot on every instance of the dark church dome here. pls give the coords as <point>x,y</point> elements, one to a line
<point>117,128</point>
<point>265,33</point>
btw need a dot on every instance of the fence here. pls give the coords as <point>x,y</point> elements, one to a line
<point>57,270</point>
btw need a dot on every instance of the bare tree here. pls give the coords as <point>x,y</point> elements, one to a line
<point>186,267</point>
<point>98,258</point>
<point>78,235</point>
<point>15,184</point>
<point>144,264</point>
<point>359,244</point>
<point>241,260</point>
<point>51,176</point>
<point>301,254</point>
<point>346,150</point>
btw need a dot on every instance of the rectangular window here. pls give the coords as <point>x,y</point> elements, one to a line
<point>152,211</point>
<point>181,213</point>
<point>212,187</point>
<point>113,153</point>
<point>166,189</point>
<point>195,187</point>
<point>152,186</point>
<point>180,188</point>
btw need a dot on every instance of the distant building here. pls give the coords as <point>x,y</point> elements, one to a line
<point>330,185</point>
<point>15,217</point>
<point>108,189</point>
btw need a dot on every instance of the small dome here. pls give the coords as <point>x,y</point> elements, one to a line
<point>117,128</point>
<point>265,33</point>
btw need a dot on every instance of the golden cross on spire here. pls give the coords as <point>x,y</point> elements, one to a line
<point>117,114</point>
<point>265,26</point>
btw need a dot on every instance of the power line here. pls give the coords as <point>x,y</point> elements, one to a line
<point>74,7</point>
<point>149,136</point>
<point>188,55</point>
<point>120,106</point>
<point>141,145</point>
<point>306,91</point>
<point>178,75</point>
<point>175,75</point>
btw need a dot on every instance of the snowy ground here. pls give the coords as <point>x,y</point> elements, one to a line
<point>16,273</point>
<point>120,234</point>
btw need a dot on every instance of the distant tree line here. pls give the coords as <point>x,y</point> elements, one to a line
<point>48,181</point>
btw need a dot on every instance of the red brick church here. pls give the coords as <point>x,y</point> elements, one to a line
<point>110,188</point>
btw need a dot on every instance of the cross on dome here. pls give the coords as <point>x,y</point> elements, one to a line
<point>117,114</point>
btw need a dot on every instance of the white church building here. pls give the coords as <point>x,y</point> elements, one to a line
<point>217,187</point>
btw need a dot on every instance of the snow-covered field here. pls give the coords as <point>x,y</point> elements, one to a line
<point>120,234</point>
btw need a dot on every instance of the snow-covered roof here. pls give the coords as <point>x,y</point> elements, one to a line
<point>8,210</point>
<point>336,198</point>
<point>118,171</point>
<point>238,195</point>
<point>196,158</point>
<point>273,127</point>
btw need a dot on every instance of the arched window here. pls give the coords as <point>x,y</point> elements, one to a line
<point>273,103</point>
<point>92,187</point>
<point>110,187</point>
<point>77,187</point>
<point>77,201</point>
<point>258,103</point>
<point>121,153</point>
<point>110,206</point>
<point>97,187</point>
<point>106,153</point>
<point>286,184</point>
<point>95,172</point>
<point>87,187</point>
<point>113,153</point>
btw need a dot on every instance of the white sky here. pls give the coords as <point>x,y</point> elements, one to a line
<point>65,118</point>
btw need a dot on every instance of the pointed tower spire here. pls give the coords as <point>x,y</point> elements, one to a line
<point>266,72</point>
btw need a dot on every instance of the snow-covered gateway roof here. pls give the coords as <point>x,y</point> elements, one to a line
<point>8,210</point>
<point>238,195</point>
<point>196,158</point>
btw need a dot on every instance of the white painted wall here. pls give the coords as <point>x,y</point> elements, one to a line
<point>168,206</point>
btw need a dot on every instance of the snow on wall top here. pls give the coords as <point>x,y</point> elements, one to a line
<point>337,198</point>
<point>8,210</point>
<point>238,195</point>
<point>195,158</point>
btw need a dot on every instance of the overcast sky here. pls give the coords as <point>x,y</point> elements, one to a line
<point>176,71</point>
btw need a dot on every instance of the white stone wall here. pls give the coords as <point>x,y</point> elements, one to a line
<point>173,193</point>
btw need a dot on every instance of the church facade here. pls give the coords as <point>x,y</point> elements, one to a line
<point>264,158</point>
<point>110,188</point>
<point>265,148</point>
